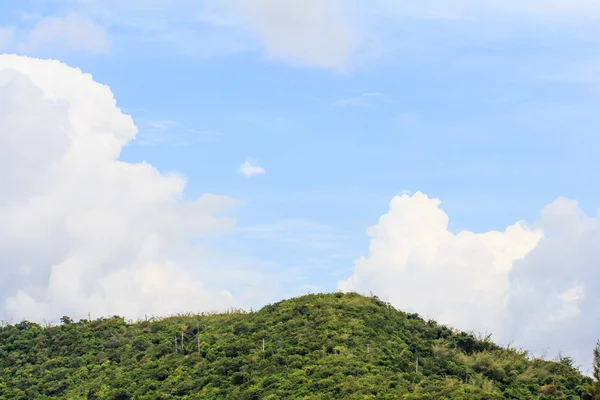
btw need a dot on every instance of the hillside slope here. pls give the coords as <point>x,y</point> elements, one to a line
<point>330,346</point>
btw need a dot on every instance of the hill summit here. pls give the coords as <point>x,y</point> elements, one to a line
<point>326,346</point>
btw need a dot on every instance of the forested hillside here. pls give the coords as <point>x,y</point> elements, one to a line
<point>332,346</point>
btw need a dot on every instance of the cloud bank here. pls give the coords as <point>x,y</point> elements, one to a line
<point>81,231</point>
<point>329,34</point>
<point>534,285</point>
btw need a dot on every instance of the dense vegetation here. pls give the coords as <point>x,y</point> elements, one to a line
<point>331,346</point>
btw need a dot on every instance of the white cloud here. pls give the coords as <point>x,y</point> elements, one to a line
<point>298,233</point>
<point>419,265</point>
<point>315,33</point>
<point>554,291</point>
<point>72,32</point>
<point>250,168</point>
<point>163,124</point>
<point>81,231</point>
<point>535,286</point>
<point>362,100</point>
<point>165,131</point>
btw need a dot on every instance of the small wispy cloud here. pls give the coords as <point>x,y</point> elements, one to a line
<point>69,32</point>
<point>251,168</point>
<point>297,233</point>
<point>366,99</point>
<point>582,73</point>
<point>167,131</point>
<point>163,124</point>
<point>408,119</point>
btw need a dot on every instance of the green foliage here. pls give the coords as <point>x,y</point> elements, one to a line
<point>595,388</point>
<point>315,348</point>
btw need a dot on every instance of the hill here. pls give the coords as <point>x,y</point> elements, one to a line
<point>331,346</point>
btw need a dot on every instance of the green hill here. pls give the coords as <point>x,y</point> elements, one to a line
<point>332,346</point>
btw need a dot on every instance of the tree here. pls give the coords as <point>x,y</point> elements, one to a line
<point>315,348</point>
<point>596,366</point>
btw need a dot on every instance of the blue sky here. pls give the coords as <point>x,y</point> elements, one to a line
<point>490,108</point>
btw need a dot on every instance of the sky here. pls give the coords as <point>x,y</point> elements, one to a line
<point>161,156</point>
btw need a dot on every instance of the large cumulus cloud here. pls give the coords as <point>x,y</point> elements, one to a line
<point>533,285</point>
<point>80,230</point>
<point>554,291</point>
